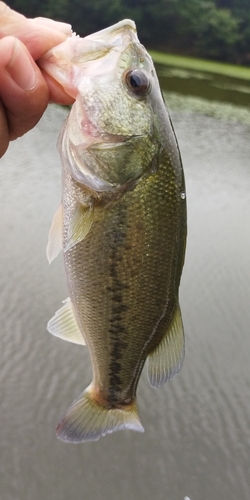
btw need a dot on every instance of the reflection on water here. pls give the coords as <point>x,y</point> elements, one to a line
<point>228,112</point>
<point>197,441</point>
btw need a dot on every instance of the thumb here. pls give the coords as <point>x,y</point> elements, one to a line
<point>23,91</point>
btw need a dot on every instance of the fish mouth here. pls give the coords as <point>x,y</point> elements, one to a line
<point>114,32</point>
<point>76,57</point>
<point>73,64</point>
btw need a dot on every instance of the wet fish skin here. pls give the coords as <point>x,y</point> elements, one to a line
<point>124,233</point>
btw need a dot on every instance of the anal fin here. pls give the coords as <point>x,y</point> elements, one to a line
<point>167,359</point>
<point>64,325</point>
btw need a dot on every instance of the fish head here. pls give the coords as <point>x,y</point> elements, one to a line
<point>109,139</point>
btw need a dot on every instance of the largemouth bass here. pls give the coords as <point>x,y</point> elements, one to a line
<point>121,225</point>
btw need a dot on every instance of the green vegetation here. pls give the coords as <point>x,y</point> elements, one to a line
<point>192,63</point>
<point>212,29</point>
<point>219,110</point>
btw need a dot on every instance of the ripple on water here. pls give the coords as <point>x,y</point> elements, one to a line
<point>197,426</point>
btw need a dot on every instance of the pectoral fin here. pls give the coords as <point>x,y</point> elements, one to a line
<point>167,359</point>
<point>54,245</point>
<point>80,225</point>
<point>64,325</point>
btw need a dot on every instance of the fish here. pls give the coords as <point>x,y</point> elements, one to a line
<point>121,227</point>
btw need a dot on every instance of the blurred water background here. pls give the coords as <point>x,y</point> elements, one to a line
<point>197,439</point>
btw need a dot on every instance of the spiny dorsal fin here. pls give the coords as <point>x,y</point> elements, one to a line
<point>80,225</point>
<point>54,245</point>
<point>167,359</point>
<point>64,325</point>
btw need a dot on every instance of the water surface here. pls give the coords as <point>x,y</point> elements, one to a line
<point>210,86</point>
<point>197,439</point>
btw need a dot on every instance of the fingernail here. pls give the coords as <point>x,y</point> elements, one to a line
<point>57,25</point>
<point>20,68</point>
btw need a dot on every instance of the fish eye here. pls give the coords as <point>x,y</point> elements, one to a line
<point>138,82</point>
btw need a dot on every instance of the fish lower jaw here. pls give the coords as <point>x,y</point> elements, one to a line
<point>89,131</point>
<point>92,136</point>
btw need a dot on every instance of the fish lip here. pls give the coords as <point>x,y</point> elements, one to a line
<point>63,61</point>
<point>116,142</point>
<point>93,137</point>
<point>111,30</point>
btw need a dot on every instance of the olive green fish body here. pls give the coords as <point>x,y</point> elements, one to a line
<point>129,268</point>
<point>124,229</point>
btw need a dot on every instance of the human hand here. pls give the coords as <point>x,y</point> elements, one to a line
<point>25,90</point>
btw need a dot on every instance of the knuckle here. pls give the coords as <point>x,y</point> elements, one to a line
<point>4,11</point>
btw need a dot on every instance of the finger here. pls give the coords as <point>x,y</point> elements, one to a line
<point>55,25</point>
<point>4,131</point>
<point>56,92</point>
<point>39,35</point>
<point>23,90</point>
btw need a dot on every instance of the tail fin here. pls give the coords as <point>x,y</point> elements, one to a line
<point>87,420</point>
